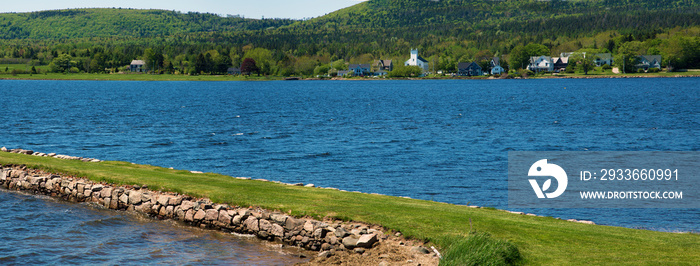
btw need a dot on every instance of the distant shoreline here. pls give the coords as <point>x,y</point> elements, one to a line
<point>167,77</point>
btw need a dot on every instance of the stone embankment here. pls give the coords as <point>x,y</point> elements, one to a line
<point>329,238</point>
<point>306,233</point>
<point>59,156</point>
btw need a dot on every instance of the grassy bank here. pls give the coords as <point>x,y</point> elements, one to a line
<point>169,77</point>
<point>133,77</point>
<point>539,240</point>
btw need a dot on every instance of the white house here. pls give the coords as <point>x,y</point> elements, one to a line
<point>416,60</point>
<point>137,66</point>
<point>604,59</point>
<point>496,68</point>
<point>541,64</point>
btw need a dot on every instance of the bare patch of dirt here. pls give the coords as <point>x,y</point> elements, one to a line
<point>390,251</point>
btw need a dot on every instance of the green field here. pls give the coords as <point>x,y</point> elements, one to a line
<point>169,77</point>
<point>540,240</point>
<point>124,77</point>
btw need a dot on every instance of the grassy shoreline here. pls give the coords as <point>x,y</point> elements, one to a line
<point>540,240</point>
<point>169,77</point>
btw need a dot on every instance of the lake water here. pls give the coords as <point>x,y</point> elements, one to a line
<point>38,230</point>
<point>436,140</point>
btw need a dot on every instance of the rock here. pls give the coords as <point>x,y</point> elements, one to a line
<point>359,250</point>
<point>169,211</point>
<point>265,225</point>
<point>326,246</point>
<point>277,230</point>
<point>420,250</point>
<point>143,208</point>
<point>106,192</point>
<point>309,185</point>
<point>199,215</point>
<point>325,254</point>
<point>244,212</point>
<point>251,223</point>
<point>3,149</point>
<point>147,197</point>
<point>309,226</point>
<point>175,201</point>
<point>224,218</point>
<point>320,233</point>
<point>366,241</point>
<point>236,220</point>
<point>97,187</point>
<point>179,214</point>
<point>124,199</point>
<point>135,197</point>
<point>341,232</point>
<point>186,205</point>
<point>278,218</point>
<point>189,215</point>
<point>163,200</point>
<point>350,242</point>
<point>293,224</point>
<point>332,239</point>
<point>212,215</point>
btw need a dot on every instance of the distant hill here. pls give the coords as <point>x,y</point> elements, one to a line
<point>489,21</point>
<point>86,23</point>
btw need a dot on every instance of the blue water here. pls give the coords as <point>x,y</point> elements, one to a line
<point>43,231</point>
<point>436,140</point>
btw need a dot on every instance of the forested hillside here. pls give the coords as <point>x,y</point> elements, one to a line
<point>445,31</point>
<point>86,23</point>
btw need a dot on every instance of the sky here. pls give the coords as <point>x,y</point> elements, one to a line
<point>296,9</point>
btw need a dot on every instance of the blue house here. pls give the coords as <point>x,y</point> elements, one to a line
<point>469,69</point>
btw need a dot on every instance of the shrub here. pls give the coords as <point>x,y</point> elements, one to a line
<point>653,70</point>
<point>481,249</point>
<point>571,68</point>
<point>405,71</point>
<point>606,67</point>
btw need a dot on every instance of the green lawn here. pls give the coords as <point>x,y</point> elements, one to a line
<point>598,72</point>
<point>130,77</point>
<point>540,240</point>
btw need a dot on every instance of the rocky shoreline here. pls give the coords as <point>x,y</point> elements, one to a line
<point>333,240</point>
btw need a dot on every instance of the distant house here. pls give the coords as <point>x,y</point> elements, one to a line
<point>416,60</point>
<point>496,68</point>
<point>359,70</point>
<point>380,73</point>
<point>342,73</point>
<point>386,65</point>
<point>560,63</point>
<point>604,59</point>
<point>541,64</point>
<point>649,61</point>
<point>469,69</point>
<point>137,66</point>
<point>234,71</point>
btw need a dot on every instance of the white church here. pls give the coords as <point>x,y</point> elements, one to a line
<point>416,60</point>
